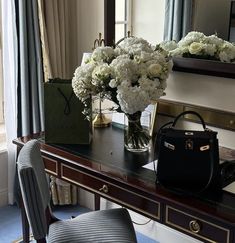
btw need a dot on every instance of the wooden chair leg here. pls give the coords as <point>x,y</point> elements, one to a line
<point>41,240</point>
<point>25,225</point>
<point>97,202</point>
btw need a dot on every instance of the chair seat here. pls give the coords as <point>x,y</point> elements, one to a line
<point>113,225</point>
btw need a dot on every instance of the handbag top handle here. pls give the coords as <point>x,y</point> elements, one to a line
<point>189,112</point>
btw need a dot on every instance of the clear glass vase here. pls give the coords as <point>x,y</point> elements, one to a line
<point>137,131</point>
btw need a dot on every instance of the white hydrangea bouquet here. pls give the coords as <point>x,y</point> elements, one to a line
<point>131,75</point>
<point>197,45</point>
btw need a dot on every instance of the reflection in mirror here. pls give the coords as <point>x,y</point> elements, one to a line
<point>232,23</point>
<point>156,20</point>
<point>212,16</point>
<point>122,18</point>
<point>143,19</point>
<point>209,17</point>
<point>178,21</point>
<point>167,19</point>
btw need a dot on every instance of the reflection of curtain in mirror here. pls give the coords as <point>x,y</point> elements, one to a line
<point>178,19</point>
<point>59,35</point>
<point>59,38</point>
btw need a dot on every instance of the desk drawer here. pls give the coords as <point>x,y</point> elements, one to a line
<point>118,194</point>
<point>195,226</point>
<point>51,166</point>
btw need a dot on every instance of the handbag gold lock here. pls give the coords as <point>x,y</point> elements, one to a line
<point>189,144</point>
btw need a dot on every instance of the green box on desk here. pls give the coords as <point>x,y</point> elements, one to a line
<point>64,121</point>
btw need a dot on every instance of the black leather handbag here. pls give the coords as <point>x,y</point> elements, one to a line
<point>188,161</point>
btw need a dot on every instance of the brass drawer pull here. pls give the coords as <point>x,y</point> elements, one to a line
<point>104,189</point>
<point>194,226</point>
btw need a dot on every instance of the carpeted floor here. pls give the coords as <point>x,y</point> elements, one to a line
<point>10,224</point>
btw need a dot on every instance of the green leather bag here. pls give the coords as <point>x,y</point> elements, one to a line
<point>64,121</point>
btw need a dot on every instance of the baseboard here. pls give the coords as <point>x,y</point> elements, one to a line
<point>20,240</point>
<point>3,197</point>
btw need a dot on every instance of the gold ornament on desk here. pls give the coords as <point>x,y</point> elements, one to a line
<point>100,119</point>
<point>98,42</point>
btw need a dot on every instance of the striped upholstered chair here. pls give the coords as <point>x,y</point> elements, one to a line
<point>112,225</point>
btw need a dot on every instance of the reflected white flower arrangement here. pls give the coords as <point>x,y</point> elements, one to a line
<point>132,75</point>
<point>197,45</point>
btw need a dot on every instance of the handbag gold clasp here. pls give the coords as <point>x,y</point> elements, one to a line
<point>189,144</point>
<point>206,147</point>
<point>170,146</point>
<point>189,133</point>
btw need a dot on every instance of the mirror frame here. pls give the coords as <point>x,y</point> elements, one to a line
<point>189,65</point>
<point>109,22</point>
<point>204,67</point>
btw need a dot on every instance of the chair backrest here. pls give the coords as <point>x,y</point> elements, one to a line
<point>34,187</point>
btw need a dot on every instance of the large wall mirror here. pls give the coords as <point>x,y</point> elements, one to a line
<point>86,18</point>
<point>146,19</point>
<point>209,17</point>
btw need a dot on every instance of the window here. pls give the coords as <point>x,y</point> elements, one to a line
<point>1,71</point>
<point>2,125</point>
<point>122,18</point>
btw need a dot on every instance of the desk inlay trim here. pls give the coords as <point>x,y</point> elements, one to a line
<point>52,155</point>
<point>107,195</point>
<point>56,166</point>
<point>194,217</point>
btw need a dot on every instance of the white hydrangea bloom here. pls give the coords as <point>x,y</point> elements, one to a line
<point>101,74</point>
<point>132,74</point>
<point>103,54</point>
<point>227,52</point>
<point>154,70</point>
<point>180,51</point>
<point>81,81</point>
<point>150,86</point>
<point>135,46</point>
<point>168,45</point>
<point>191,37</point>
<point>210,49</point>
<point>124,68</point>
<point>132,99</point>
<point>214,39</point>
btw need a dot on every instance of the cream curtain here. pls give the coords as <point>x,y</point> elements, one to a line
<point>61,25</point>
<point>59,21</point>
<point>59,37</point>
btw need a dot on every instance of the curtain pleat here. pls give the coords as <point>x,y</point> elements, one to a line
<point>60,45</point>
<point>59,20</point>
<point>23,76</point>
<point>30,73</point>
<point>178,19</point>
<point>187,19</point>
<point>44,42</point>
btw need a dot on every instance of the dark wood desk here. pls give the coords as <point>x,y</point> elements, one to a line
<point>108,170</point>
